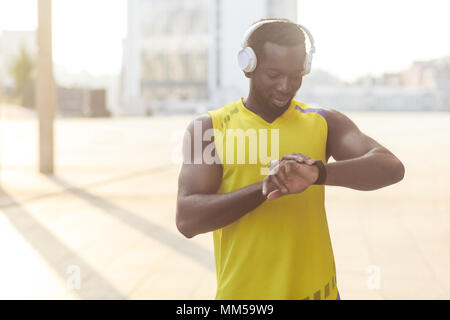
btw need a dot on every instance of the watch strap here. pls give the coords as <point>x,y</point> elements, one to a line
<point>322,173</point>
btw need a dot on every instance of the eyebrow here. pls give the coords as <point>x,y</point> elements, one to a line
<point>279,71</point>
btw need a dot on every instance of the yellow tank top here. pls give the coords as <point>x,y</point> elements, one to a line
<point>281,249</point>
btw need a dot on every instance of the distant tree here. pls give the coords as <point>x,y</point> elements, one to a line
<point>21,70</point>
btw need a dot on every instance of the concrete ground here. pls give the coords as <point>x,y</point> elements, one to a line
<point>103,226</point>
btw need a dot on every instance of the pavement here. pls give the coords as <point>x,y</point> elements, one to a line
<point>103,226</point>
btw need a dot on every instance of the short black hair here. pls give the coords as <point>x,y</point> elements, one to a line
<point>284,33</point>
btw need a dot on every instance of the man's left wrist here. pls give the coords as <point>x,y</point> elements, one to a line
<point>322,173</point>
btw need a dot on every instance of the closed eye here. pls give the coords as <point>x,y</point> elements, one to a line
<point>296,76</point>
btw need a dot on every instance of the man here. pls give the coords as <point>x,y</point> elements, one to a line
<point>271,238</point>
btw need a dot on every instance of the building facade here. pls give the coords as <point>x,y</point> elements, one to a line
<point>180,55</point>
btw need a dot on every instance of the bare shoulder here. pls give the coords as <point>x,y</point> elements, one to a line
<point>345,140</point>
<point>201,171</point>
<point>337,121</point>
<point>332,113</point>
<point>204,120</point>
<point>199,142</point>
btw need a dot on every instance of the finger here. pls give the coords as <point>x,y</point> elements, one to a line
<point>273,164</point>
<point>269,187</point>
<point>290,167</point>
<point>295,168</point>
<point>274,195</point>
<point>298,158</point>
<point>295,157</point>
<point>280,186</point>
<point>309,160</point>
<point>306,159</point>
<point>264,187</point>
<point>284,183</point>
<point>282,176</point>
<point>274,170</point>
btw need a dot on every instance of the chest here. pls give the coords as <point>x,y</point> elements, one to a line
<point>247,149</point>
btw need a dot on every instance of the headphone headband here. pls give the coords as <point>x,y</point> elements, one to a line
<point>257,25</point>
<point>247,58</point>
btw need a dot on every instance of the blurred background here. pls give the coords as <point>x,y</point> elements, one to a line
<point>93,110</point>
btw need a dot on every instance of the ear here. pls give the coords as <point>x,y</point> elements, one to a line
<point>249,74</point>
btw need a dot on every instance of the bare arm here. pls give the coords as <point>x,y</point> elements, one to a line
<point>199,208</point>
<point>361,162</point>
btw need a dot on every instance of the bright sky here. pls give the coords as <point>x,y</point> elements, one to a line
<point>87,34</point>
<point>353,37</point>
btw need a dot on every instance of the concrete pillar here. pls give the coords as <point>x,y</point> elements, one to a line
<point>45,87</point>
<point>132,94</point>
<point>1,145</point>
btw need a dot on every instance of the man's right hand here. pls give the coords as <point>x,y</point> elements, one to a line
<point>292,174</point>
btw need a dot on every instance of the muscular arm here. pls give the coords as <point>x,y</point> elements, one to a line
<point>361,162</point>
<point>199,208</point>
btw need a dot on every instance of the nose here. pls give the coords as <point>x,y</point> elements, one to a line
<point>283,85</point>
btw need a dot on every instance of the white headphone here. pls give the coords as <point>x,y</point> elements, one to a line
<point>247,57</point>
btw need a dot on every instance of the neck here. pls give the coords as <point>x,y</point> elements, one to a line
<point>262,108</point>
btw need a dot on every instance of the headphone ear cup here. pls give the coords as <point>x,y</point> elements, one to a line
<point>307,65</point>
<point>247,59</point>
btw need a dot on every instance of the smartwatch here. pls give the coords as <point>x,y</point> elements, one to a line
<point>322,173</point>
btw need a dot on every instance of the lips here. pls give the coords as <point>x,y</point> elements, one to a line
<point>280,101</point>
